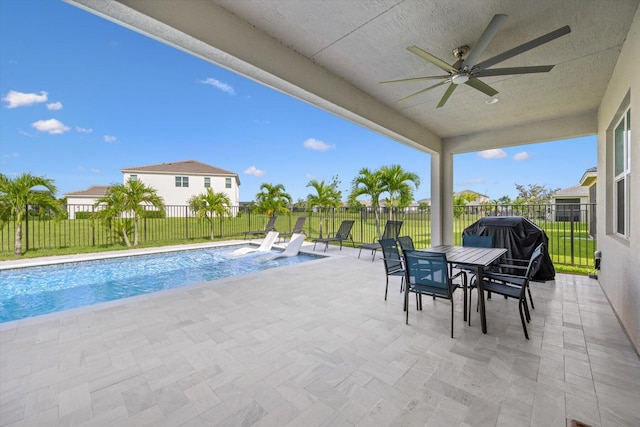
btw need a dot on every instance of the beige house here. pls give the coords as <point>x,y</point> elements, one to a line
<point>334,54</point>
<point>83,200</point>
<point>177,182</point>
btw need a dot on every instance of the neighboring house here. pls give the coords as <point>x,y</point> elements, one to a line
<point>569,204</point>
<point>589,180</point>
<point>83,200</point>
<point>177,182</point>
<point>475,204</point>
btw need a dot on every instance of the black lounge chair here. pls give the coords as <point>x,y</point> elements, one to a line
<point>391,231</point>
<point>298,228</point>
<point>271,226</point>
<point>406,243</point>
<point>343,233</point>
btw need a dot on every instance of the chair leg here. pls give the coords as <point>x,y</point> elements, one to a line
<point>524,324</point>
<point>452,317</point>
<point>386,288</point>
<point>530,299</point>
<point>359,252</point>
<point>406,304</point>
<point>526,310</point>
<point>469,315</point>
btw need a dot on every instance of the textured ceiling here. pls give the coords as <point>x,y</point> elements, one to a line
<point>331,46</point>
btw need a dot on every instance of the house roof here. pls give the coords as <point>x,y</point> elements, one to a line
<point>93,191</point>
<point>589,177</point>
<point>187,167</point>
<point>574,191</point>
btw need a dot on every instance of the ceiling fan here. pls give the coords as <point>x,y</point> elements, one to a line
<point>466,70</point>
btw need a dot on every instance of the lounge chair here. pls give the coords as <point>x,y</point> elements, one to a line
<point>271,226</point>
<point>290,250</point>
<point>298,228</point>
<point>343,233</point>
<point>265,246</point>
<point>391,231</point>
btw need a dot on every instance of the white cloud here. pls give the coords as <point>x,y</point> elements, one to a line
<point>20,99</point>
<point>317,145</point>
<point>24,133</point>
<point>55,106</point>
<point>309,176</point>
<point>495,153</point>
<point>219,85</point>
<point>523,155</point>
<point>252,170</point>
<point>94,170</point>
<point>109,138</point>
<point>51,126</point>
<point>83,130</point>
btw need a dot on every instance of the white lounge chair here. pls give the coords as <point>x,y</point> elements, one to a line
<point>265,246</point>
<point>292,248</point>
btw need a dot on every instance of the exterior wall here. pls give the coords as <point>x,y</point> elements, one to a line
<point>619,274</point>
<point>172,195</point>
<point>79,204</point>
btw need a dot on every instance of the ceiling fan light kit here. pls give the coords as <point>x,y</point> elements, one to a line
<point>466,69</point>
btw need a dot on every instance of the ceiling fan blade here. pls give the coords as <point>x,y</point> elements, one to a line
<point>481,86</point>
<point>447,94</point>
<point>486,37</point>
<point>523,48</point>
<point>421,91</point>
<point>513,70</point>
<point>435,61</point>
<point>417,79</point>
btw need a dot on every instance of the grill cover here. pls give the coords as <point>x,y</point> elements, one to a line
<point>519,236</point>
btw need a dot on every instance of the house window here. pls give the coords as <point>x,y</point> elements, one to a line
<point>133,178</point>
<point>182,181</point>
<point>227,183</point>
<point>207,182</point>
<point>622,173</point>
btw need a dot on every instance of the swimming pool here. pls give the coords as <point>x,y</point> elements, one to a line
<point>27,292</point>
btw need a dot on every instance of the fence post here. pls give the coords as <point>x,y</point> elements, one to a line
<point>25,234</point>
<point>571,225</point>
<point>186,221</point>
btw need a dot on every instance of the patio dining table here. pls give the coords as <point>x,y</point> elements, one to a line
<point>472,256</point>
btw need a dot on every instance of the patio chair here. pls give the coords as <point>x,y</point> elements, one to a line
<point>265,246</point>
<point>406,243</point>
<point>476,242</point>
<point>391,231</point>
<point>392,262</point>
<point>292,249</point>
<point>428,273</point>
<point>343,233</point>
<point>271,226</point>
<point>298,228</point>
<point>511,286</point>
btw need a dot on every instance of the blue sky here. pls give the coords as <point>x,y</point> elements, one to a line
<point>83,97</point>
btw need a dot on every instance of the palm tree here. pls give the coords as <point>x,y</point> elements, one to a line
<point>130,197</point>
<point>327,197</point>
<point>17,194</point>
<point>369,183</point>
<point>209,205</point>
<point>273,199</point>
<point>396,181</point>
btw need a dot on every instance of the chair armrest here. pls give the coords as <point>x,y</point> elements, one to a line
<point>501,277</point>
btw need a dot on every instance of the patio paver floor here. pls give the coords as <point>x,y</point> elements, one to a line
<point>315,344</point>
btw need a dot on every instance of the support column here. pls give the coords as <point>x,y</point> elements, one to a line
<point>441,198</point>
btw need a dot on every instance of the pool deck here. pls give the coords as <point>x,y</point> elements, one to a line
<point>316,344</point>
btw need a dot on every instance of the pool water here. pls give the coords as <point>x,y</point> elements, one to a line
<point>27,292</point>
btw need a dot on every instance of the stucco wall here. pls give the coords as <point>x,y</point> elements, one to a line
<point>620,272</point>
<point>172,195</point>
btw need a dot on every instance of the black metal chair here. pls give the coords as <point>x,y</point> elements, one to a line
<point>392,262</point>
<point>391,231</point>
<point>476,242</point>
<point>343,233</point>
<point>515,287</point>
<point>406,243</point>
<point>298,228</point>
<point>428,273</point>
<point>271,226</point>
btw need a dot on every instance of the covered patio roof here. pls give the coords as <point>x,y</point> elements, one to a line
<point>334,54</point>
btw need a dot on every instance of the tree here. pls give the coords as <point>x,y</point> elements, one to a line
<point>327,197</point>
<point>369,183</point>
<point>273,199</point>
<point>397,182</point>
<point>129,198</point>
<point>16,195</point>
<point>534,194</point>
<point>210,204</point>
<point>460,201</point>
